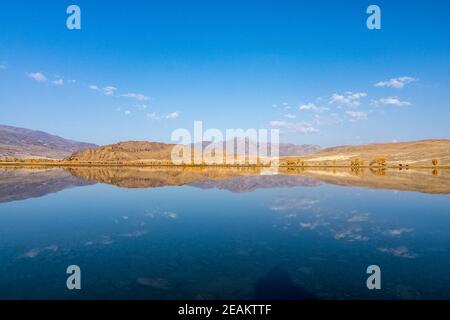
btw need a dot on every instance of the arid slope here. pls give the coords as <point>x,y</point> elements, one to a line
<point>419,153</point>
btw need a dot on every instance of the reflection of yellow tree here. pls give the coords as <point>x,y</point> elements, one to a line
<point>357,162</point>
<point>379,161</point>
<point>435,172</point>
<point>379,171</point>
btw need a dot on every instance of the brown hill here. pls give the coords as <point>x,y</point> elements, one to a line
<point>23,143</point>
<point>418,153</point>
<point>125,151</point>
<point>144,151</point>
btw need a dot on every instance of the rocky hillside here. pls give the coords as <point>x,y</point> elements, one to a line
<point>125,151</point>
<point>25,143</point>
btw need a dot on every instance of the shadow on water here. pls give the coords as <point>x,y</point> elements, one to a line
<point>278,285</point>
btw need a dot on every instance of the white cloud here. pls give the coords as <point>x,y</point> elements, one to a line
<point>396,83</point>
<point>141,106</point>
<point>357,115</point>
<point>312,107</point>
<point>290,116</point>
<point>127,112</point>
<point>152,115</point>
<point>58,82</point>
<point>107,91</point>
<point>347,99</point>
<point>392,101</point>
<point>283,105</point>
<point>137,96</point>
<point>2,66</point>
<point>172,115</point>
<point>296,127</point>
<point>38,76</point>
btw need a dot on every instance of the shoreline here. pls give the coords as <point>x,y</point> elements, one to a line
<point>104,164</point>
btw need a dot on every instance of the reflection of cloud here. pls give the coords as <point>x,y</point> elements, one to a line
<point>358,217</point>
<point>134,234</point>
<point>106,240</point>
<point>309,225</point>
<point>402,252</point>
<point>33,253</point>
<point>397,232</point>
<point>351,234</point>
<point>157,283</point>
<point>284,204</point>
<point>157,213</point>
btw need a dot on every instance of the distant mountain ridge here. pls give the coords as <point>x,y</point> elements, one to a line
<point>24,143</point>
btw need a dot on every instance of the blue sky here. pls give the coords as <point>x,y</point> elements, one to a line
<point>137,70</point>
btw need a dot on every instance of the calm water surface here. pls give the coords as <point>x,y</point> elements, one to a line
<point>241,239</point>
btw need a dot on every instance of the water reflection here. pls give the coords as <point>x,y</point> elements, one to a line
<point>209,233</point>
<point>19,183</point>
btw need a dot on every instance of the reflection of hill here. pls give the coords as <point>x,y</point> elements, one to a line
<point>233,179</point>
<point>153,177</point>
<point>248,184</point>
<point>24,183</point>
<point>250,179</point>
<point>419,180</point>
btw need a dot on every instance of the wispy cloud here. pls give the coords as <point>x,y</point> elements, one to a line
<point>356,115</point>
<point>290,116</point>
<point>58,82</point>
<point>152,115</point>
<point>347,99</point>
<point>137,96</point>
<point>38,76</point>
<point>312,107</point>
<point>107,91</point>
<point>396,83</point>
<point>295,127</point>
<point>283,105</point>
<point>392,101</point>
<point>3,65</point>
<point>172,115</point>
